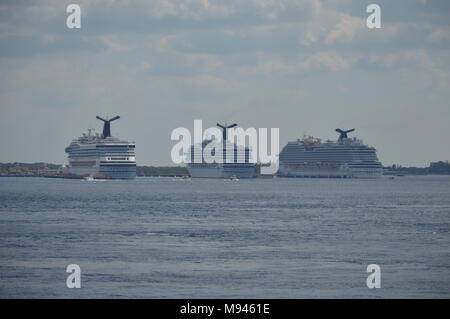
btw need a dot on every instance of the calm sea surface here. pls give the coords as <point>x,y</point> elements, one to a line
<point>271,238</point>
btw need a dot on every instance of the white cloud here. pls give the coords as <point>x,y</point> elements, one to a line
<point>418,62</point>
<point>345,30</point>
<point>207,81</point>
<point>326,61</point>
<point>113,43</point>
<point>439,34</point>
<point>331,61</point>
<point>207,61</point>
<point>408,57</point>
<point>188,8</point>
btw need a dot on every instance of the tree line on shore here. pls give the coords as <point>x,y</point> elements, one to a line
<point>436,168</point>
<point>34,169</point>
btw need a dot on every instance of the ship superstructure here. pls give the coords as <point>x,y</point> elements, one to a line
<point>233,160</point>
<point>344,158</point>
<point>102,154</point>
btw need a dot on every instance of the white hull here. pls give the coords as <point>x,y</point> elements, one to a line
<point>106,166</point>
<point>326,172</point>
<point>112,172</point>
<point>218,171</point>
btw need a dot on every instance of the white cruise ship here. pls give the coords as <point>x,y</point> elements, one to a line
<point>237,161</point>
<point>102,155</point>
<point>344,158</point>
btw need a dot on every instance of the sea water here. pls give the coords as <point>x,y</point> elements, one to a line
<point>258,238</point>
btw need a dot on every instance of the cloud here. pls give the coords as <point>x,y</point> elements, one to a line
<point>345,30</point>
<point>195,9</point>
<point>113,43</point>
<point>403,58</point>
<point>439,34</point>
<point>331,61</point>
<point>324,61</point>
<point>27,46</point>
<point>207,81</point>
<point>418,63</point>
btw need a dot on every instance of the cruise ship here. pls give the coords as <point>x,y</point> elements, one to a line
<point>95,154</point>
<point>237,161</point>
<point>344,158</point>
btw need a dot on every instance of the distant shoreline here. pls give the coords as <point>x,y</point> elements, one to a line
<point>178,176</point>
<point>57,171</point>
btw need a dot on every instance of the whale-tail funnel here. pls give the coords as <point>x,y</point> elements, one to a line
<point>224,137</point>
<point>107,125</point>
<point>224,130</point>
<point>343,133</point>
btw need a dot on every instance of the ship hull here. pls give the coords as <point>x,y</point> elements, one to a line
<point>109,171</point>
<point>329,172</point>
<point>236,161</point>
<point>118,172</point>
<point>221,171</point>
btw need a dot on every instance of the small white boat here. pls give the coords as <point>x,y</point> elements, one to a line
<point>233,178</point>
<point>89,178</point>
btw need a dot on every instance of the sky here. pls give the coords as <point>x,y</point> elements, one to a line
<point>303,66</point>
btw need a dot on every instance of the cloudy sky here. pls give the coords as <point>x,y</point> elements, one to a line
<point>304,66</point>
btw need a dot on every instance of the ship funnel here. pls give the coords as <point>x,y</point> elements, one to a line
<point>224,138</point>
<point>224,130</point>
<point>343,133</point>
<point>107,125</point>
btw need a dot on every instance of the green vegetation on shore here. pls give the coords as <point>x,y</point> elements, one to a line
<point>45,169</point>
<point>27,169</point>
<point>436,168</point>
